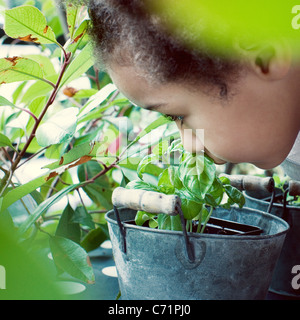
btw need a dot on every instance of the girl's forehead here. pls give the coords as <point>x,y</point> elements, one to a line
<point>130,83</point>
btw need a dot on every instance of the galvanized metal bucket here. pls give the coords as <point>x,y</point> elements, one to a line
<point>290,255</point>
<point>155,264</point>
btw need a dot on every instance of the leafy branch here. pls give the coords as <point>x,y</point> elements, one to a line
<point>72,136</point>
<point>8,176</point>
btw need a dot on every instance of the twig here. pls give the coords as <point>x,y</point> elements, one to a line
<point>52,187</point>
<point>32,156</point>
<point>27,111</point>
<point>101,173</point>
<point>97,78</point>
<point>81,200</point>
<point>4,170</point>
<point>63,182</point>
<point>7,154</point>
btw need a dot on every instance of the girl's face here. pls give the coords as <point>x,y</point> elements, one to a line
<point>257,124</point>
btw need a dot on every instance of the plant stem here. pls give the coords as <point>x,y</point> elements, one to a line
<point>207,218</point>
<point>49,82</point>
<point>199,221</point>
<point>4,170</point>
<point>28,111</point>
<point>32,156</point>
<point>7,154</point>
<point>81,200</point>
<point>97,78</point>
<point>187,223</point>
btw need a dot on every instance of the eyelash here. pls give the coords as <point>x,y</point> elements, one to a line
<point>175,118</point>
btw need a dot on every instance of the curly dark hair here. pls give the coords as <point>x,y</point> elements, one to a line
<point>125,31</point>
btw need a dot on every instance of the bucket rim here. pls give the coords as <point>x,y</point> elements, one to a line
<point>276,205</point>
<point>286,226</point>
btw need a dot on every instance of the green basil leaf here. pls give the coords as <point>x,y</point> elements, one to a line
<point>190,208</point>
<point>164,183</point>
<point>139,184</point>
<point>210,200</point>
<point>174,178</point>
<point>143,216</point>
<point>197,173</point>
<point>145,161</point>
<point>217,190</point>
<point>164,222</point>
<point>235,195</point>
<point>224,180</point>
<point>176,145</point>
<point>160,148</point>
<point>175,223</point>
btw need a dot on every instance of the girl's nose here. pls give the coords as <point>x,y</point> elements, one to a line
<point>193,141</point>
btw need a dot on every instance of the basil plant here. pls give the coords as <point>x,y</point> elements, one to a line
<point>193,177</point>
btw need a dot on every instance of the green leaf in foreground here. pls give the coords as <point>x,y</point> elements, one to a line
<point>81,63</point>
<point>66,227</point>
<point>235,195</point>
<point>197,174</point>
<point>71,258</point>
<point>72,12</point>
<point>44,206</point>
<point>59,128</point>
<point>155,124</point>
<point>94,239</point>
<point>28,23</point>
<point>21,191</point>
<point>19,69</point>
<point>5,142</point>
<point>4,102</point>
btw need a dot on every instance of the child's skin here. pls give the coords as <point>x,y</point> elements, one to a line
<point>257,123</point>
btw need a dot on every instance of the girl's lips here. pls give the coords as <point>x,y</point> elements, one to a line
<point>214,158</point>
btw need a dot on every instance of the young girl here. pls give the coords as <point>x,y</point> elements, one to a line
<point>247,105</point>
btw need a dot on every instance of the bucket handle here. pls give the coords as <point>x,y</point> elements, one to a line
<point>152,202</point>
<point>254,183</point>
<point>251,183</point>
